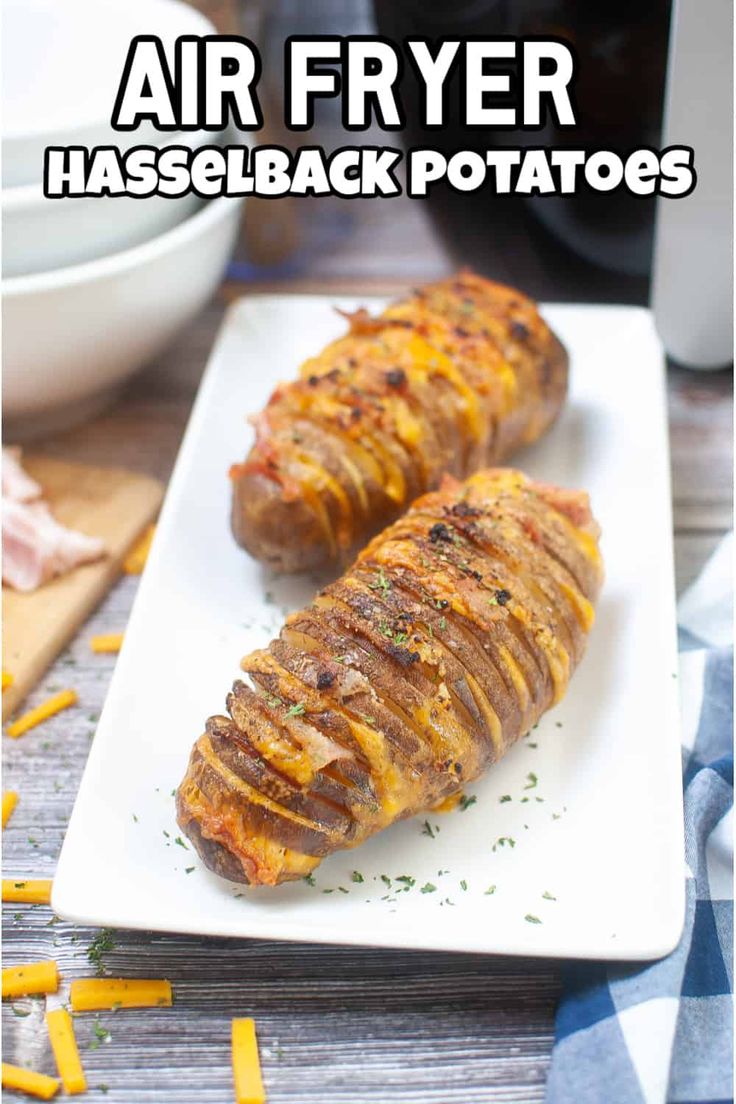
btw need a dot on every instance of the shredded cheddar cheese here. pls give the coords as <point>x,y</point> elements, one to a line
<point>66,1052</point>
<point>8,680</point>
<point>448,803</point>
<point>27,891</point>
<point>135,561</point>
<point>32,977</point>
<point>42,712</point>
<point>246,1065</point>
<point>108,642</point>
<point>10,800</point>
<point>24,1080</point>
<point>94,994</point>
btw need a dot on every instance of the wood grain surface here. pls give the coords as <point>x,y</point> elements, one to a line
<point>336,1025</point>
<point>108,503</point>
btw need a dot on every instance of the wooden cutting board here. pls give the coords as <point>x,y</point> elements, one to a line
<point>109,503</point>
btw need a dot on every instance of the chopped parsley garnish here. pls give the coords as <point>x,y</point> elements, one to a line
<point>463,884</point>
<point>504,798</point>
<point>531,919</point>
<point>180,843</point>
<point>386,880</point>
<point>103,942</point>
<point>102,1035</point>
<point>21,1011</point>
<point>443,624</point>
<point>465,802</point>
<point>188,869</point>
<point>296,709</point>
<point>427,830</point>
<point>342,889</point>
<point>490,891</point>
<point>356,876</point>
<point>503,840</point>
<point>428,888</point>
<point>407,880</point>
<point>548,896</point>
<point>532,781</point>
<point>273,701</point>
<point>367,718</point>
<point>382,583</point>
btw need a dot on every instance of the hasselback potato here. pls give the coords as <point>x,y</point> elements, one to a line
<point>450,635</point>
<point>448,381</point>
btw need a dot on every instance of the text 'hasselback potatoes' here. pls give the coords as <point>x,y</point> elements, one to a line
<point>450,635</point>
<point>448,381</point>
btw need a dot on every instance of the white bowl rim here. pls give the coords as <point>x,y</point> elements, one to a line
<point>39,282</point>
<point>192,17</point>
<point>20,196</point>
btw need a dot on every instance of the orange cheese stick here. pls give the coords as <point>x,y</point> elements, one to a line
<point>135,561</point>
<point>36,1084</point>
<point>108,642</point>
<point>94,994</point>
<point>10,800</point>
<point>28,891</point>
<point>42,712</point>
<point>31,977</point>
<point>66,1052</point>
<point>246,1064</point>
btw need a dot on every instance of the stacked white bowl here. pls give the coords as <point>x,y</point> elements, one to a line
<point>92,288</point>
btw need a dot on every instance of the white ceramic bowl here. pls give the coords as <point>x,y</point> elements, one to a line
<point>62,61</point>
<point>41,234</point>
<point>71,335</point>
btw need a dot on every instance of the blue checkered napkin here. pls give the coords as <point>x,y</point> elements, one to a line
<point>662,1033</point>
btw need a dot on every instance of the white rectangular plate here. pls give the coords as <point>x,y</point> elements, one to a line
<point>596,866</point>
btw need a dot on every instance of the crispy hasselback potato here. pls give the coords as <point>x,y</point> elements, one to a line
<point>450,635</point>
<point>448,381</point>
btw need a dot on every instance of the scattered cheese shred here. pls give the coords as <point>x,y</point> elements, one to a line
<point>108,642</point>
<point>10,800</point>
<point>42,712</point>
<point>29,891</point>
<point>135,561</point>
<point>94,994</point>
<point>448,803</point>
<point>31,977</point>
<point>8,680</point>
<point>36,1084</point>
<point>246,1065</point>
<point>66,1052</point>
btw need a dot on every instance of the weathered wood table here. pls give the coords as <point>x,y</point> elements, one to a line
<point>336,1025</point>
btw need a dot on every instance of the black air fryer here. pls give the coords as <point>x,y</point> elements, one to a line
<point>622,52</point>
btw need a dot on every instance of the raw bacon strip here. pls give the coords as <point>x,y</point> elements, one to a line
<point>36,547</point>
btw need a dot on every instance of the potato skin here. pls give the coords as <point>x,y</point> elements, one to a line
<point>446,382</point>
<point>262,518</point>
<point>451,634</point>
